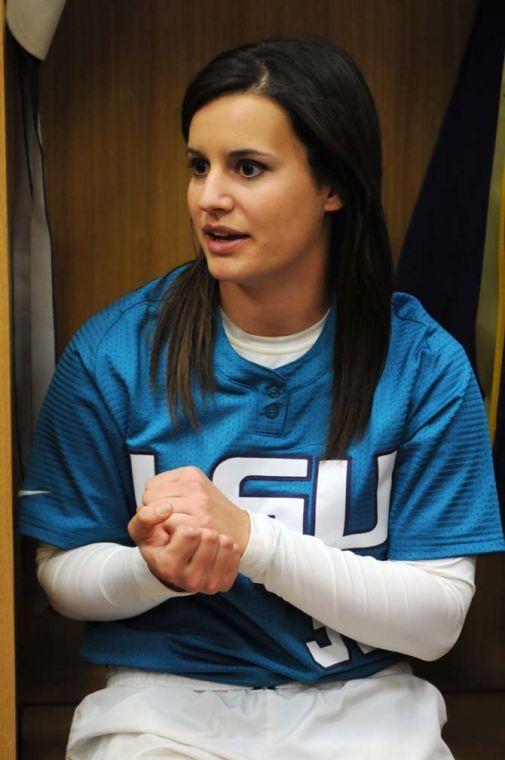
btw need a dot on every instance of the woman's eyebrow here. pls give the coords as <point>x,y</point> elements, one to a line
<point>233,153</point>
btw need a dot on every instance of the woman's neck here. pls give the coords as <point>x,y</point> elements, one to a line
<point>261,314</point>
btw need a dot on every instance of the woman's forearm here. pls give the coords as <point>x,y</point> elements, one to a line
<point>102,581</point>
<point>415,608</point>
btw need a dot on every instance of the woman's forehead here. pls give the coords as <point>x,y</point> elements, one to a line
<point>239,121</point>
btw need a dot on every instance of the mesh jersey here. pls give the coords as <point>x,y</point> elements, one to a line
<point>418,485</point>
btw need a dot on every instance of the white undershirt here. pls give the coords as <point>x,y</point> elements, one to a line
<point>272,352</point>
<point>415,608</point>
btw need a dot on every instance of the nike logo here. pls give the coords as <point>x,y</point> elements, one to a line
<point>31,493</point>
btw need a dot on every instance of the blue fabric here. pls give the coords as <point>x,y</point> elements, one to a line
<point>101,408</point>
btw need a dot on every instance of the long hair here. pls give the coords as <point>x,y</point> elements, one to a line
<point>333,114</point>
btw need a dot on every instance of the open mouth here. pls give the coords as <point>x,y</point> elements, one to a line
<point>224,236</point>
<point>225,242</point>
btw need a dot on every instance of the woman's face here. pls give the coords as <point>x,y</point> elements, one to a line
<point>250,174</point>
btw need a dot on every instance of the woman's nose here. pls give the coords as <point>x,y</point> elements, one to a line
<point>215,193</point>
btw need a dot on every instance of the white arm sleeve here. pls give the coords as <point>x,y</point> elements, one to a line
<point>102,581</point>
<point>415,608</point>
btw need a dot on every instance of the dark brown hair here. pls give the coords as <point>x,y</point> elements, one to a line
<point>333,114</point>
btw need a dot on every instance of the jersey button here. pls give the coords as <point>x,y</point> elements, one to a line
<point>274,391</point>
<point>272,411</point>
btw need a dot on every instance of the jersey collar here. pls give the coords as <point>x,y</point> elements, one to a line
<point>307,368</point>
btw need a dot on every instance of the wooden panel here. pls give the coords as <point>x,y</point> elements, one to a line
<point>111,88</point>
<point>49,668</point>
<point>7,675</point>
<point>475,727</point>
<point>410,55</point>
<point>45,731</point>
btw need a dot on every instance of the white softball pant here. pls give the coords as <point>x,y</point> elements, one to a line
<point>392,715</point>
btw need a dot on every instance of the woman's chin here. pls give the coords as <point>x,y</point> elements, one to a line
<point>224,269</point>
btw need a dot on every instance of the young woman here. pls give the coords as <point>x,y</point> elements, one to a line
<point>264,476</point>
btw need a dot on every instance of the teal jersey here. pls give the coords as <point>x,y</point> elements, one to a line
<point>418,485</point>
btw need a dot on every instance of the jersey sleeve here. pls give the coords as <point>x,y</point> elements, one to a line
<point>78,486</point>
<point>443,500</point>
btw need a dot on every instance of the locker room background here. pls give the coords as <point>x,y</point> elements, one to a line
<point>116,177</point>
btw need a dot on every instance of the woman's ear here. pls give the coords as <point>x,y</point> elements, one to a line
<point>333,201</point>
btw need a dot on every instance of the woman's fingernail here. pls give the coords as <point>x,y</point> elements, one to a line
<point>163,510</point>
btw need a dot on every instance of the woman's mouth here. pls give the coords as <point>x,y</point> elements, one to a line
<point>225,242</point>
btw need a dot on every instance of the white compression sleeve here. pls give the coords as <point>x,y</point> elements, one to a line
<point>102,581</point>
<point>415,608</point>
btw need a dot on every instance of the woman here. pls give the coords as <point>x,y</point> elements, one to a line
<point>300,388</point>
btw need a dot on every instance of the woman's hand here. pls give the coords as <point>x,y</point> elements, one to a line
<point>184,557</point>
<point>197,502</point>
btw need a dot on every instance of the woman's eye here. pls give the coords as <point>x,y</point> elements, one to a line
<point>198,165</point>
<point>251,169</point>
<point>247,168</point>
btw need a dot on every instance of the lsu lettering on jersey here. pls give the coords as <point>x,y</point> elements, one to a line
<point>419,485</point>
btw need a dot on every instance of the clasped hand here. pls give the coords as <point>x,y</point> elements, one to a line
<point>190,535</point>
